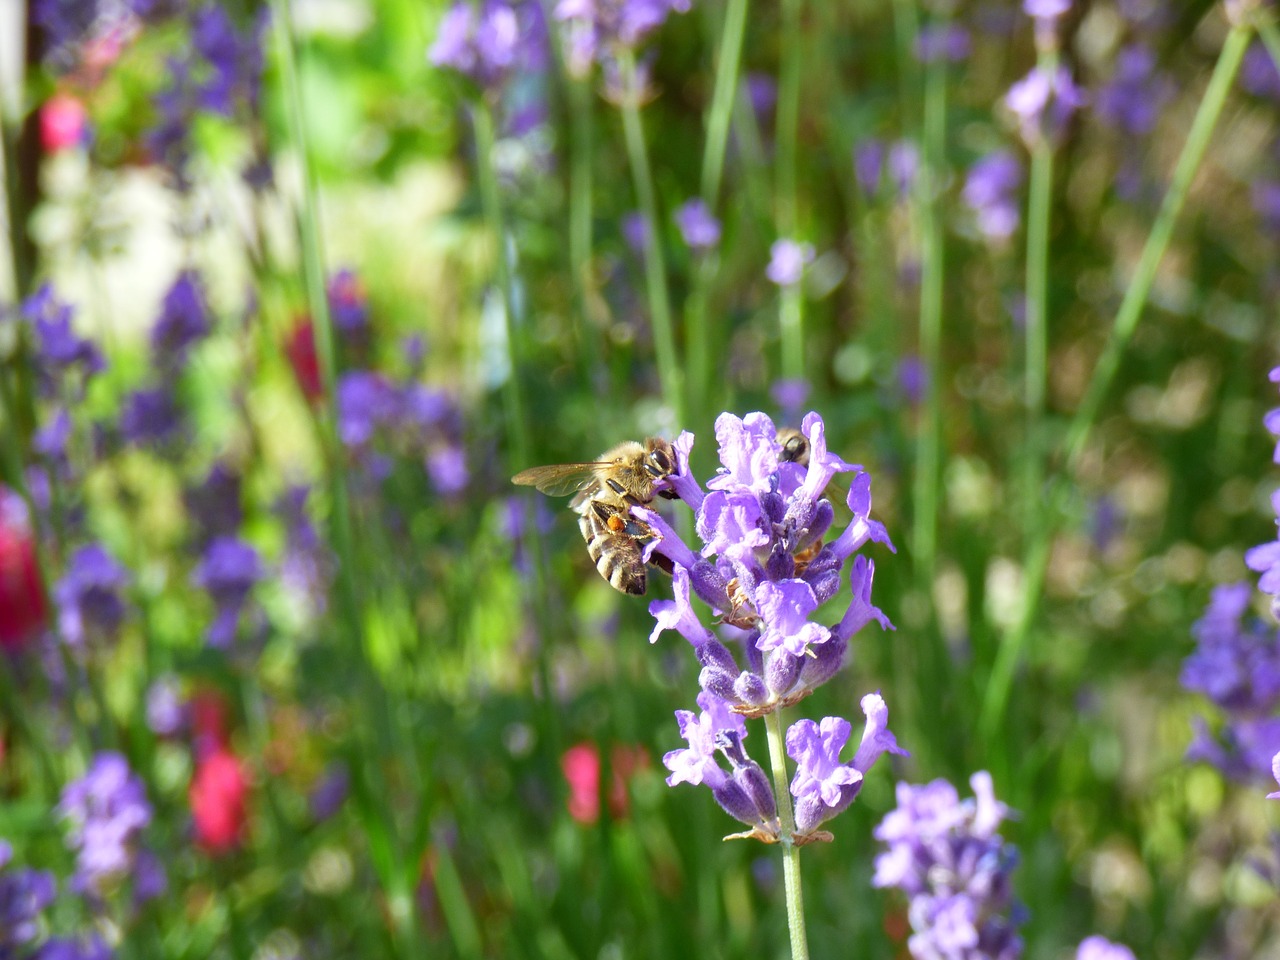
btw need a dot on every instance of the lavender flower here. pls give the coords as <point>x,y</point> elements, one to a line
<point>150,417</point>
<point>595,28</point>
<point>1100,948</point>
<point>787,260</point>
<point>700,230</point>
<point>1275,774</point>
<point>1044,102</point>
<point>166,711</point>
<point>107,810</point>
<point>946,856</point>
<point>991,193</point>
<point>75,948</point>
<point>482,44</point>
<point>90,607</point>
<point>1265,559</point>
<point>60,352</point>
<point>330,792</point>
<point>447,470</point>
<point>184,321</point>
<point>214,505</point>
<point>307,566</point>
<point>823,786</point>
<point>868,164</point>
<point>1133,97</point>
<point>228,571</point>
<point>349,307</point>
<point>24,893</point>
<point>942,41</point>
<point>1236,664</point>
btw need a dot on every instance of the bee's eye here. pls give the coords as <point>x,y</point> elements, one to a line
<point>794,447</point>
<point>662,460</point>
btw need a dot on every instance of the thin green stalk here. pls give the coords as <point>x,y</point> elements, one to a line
<point>1035,374</point>
<point>1014,639</point>
<point>791,307</point>
<point>906,27</point>
<point>728,62</point>
<point>1270,38</point>
<point>787,822</point>
<point>929,439</point>
<point>655,270</point>
<point>580,186</point>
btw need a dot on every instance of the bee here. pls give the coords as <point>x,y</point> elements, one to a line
<point>604,491</point>
<point>795,447</point>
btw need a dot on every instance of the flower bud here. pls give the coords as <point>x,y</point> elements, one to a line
<point>783,670</point>
<point>750,688</point>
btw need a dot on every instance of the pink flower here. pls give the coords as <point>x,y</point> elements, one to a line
<point>22,609</point>
<point>217,796</point>
<point>62,123</point>
<point>581,766</point>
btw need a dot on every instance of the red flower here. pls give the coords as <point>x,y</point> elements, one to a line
<point>581,766</point>
<point>300,348</point>
<point>217,796</point>
<point>22,610</point>
<point>62,123</point>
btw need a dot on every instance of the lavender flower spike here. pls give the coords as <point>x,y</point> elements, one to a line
<point>88,597</point>
<point>1275,772</point>
<point>24,894</point>
<point>107,809</point>
<point>1100,948</point>
<point>678,614</point>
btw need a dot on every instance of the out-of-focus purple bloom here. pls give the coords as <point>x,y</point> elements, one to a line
<point>1045,9</point>
<point>307,566</point>
<point>790,396</point>
<point>1104,522</point>
<point>107,810</point>
<point>447,468</point>
<point>868,163</point>
<point>1044,102</point>
<point>1265,195</point>
<point>595,28</point>
<point>913,378</point>
<point>822,785</point>
<point>1275,775</point>
<point>903,161</point>
<point>698,227</point>
<point>942,41</point>
<point>490,43</point>
<point>228,571</point>
<point>787,260</point>
<point>166,709</point>
<point>1100,948</point>
<point>24,894</point>
<point>1258,73</point>
<point>365,401</point>
<point>214,505</point>
<point>1236,664</point>
<point>1265,559</point>
<point>49,443</point>
<point>635,231</point>
<point>330,792</point>
<point>90,607</point>
<point>184,321</point>
<point>92,947</point>
<point>59,350</point>
<point>991,191</point>
<point>762,92</point>
<point>349,307</point>
<point>946,856</point>
<point>1133,97</point>
<point>150,417</point>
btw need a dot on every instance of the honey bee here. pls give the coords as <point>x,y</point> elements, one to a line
<point>604,491</point>
<point>795,447</point>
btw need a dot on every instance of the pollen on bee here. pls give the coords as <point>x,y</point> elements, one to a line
<point>616,523</point>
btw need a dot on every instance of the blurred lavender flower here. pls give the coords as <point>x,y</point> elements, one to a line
<point>1237,666</point>
<point>447,470</point>
<point>635,231</point>
<point>307,566</point>
<point>787,260</point>
<point>24,893</point>
<point>790,396</point>
<point>183,322</point>
<point>903,161</point>
<point>88,599</point>
<point>1275,775</point>
<point>92,947</point>
<point>1258,73</point>
<point>700,230</point>
<point>762,93</point>
<point>595,28</point>
<point>1265,559</point>
<point>85,30</point>
<point>1132,99</point>
<point>150,417</point>
<point>59,351</point>
<point>1100,948</point>
<point>991,190</point>
<point>349,307</point>
<point>763,520</point>
<point>823,786</point>
<point>107,810</point>
<point>1265,195</point>
<point>913,378</point>
<point>486,44</point>
<point>946,856</point>
<point>214,505</point>
<point>1045,9</point>
<point>166,710</point>
<point>228,571</point>
<point>1044,102</point>
<point>868,163</point>
<point>942,41</point>
<point>330,792</point>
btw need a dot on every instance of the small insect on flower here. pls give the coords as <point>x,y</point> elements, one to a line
<point>605,491</point>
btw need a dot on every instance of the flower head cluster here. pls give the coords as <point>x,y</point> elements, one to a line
<point>1265,559</point>
<point>491,42</point>
<point>991,192</point>
<point>596,28</point>
<point>307,565</point>
<point>1044,102</point>
<point>787,260</point>
<point>183,322</point>
<point>698,226</point>
<point>228,571</point>
<point>107,810</point>
<point>945,855</point>
<point>1132,99</point>
<point>88,597</point>
<point>409,417</point>
<point>60,351</point>
<point>1100,948</point>
<point>24,894</point>
<point>1236,664</point>
<point>764,568</point>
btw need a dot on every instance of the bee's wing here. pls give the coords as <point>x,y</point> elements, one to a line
<point>559,479</point>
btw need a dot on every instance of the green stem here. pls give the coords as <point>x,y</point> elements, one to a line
<point>727,66</point>
<point>580,186</point>
<point>786,820</point>
<point>791,306</point>
<point>655,271</point>
<point>929,439</point>
<point>1014,639</point>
